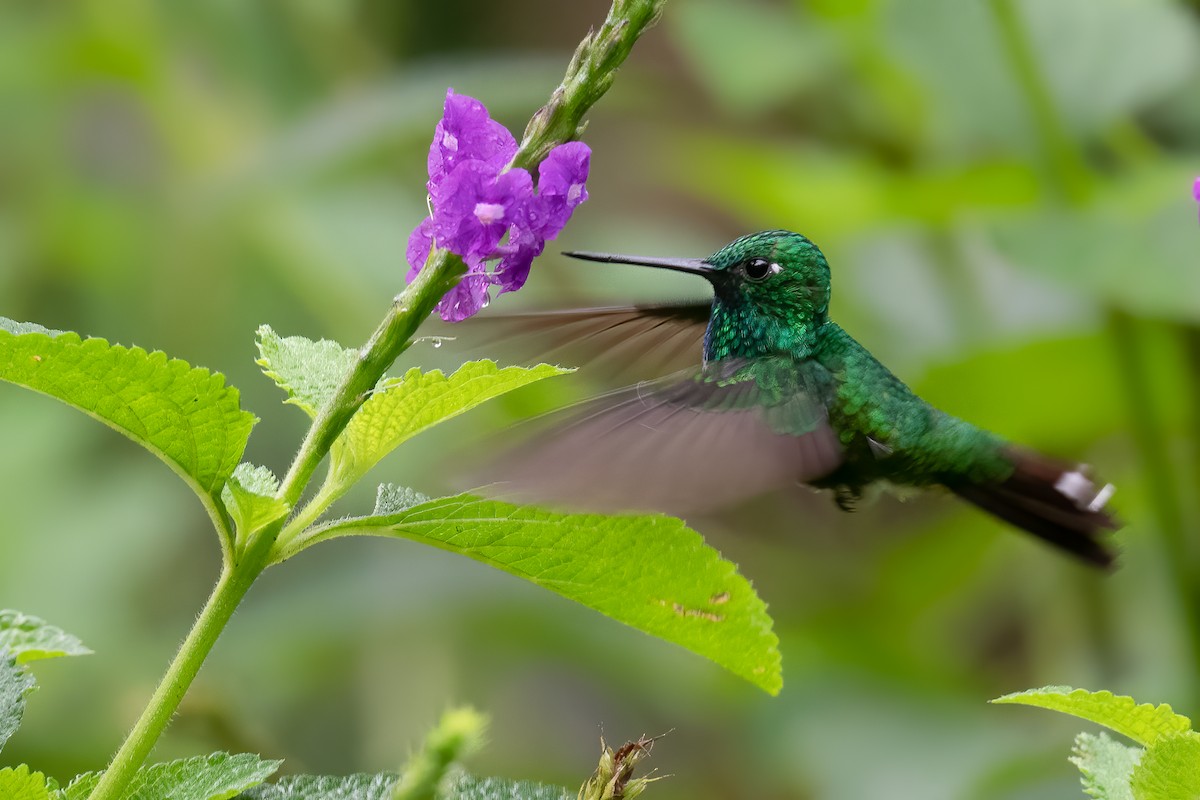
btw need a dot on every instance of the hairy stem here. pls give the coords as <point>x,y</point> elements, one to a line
<point>228,593</point>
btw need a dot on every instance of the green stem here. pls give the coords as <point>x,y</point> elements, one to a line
<point>1059,151</point>
<point>1159,474</point>
<point>228,593</point>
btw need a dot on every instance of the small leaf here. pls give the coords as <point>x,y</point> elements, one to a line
<point>1105,766</point>
<point>1143,723</point>
<point>15,684</point>
<point>309,372</point>
<point>1170,769</point>
<point>29,638</point>
<point>185,415</point>
<point>219,776</point>
<point>401,408</point>
<point>324,787</point>
<point>250,498</point>
<point>18,783</point>
<point>650,572</point>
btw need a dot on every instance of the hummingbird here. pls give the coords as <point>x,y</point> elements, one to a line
<point>781,395</point>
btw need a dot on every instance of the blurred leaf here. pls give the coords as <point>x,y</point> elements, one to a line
<point>20,784</point>
<point>15,684</point>
<point>185,415</point>
<point>29,638</point>
<point>1105,766</point>
<point>400,408</point>
<point>838,194</point>
<point>750,55</point>
<point>308,372</point>
<point>650,572</point>
<point>250,498</point>
<point>1169,770</point>
<point>1006,390</point>
<point>1144,723</point>
<point>215,777</point>
<point>1093,54</point>
<point>1092,251</point>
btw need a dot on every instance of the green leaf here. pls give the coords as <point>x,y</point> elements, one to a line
<point>650,572</point>
<point>29,638</point>
<point>15,684</point>
<point>18,783</point>
<point>1170,769</point>
<point>1143,723</point>
<point>322,787</point>
<point>185,415</point>
<point>378,787</point>
<point>1105,766</point>
<point>216,777</point>
<point>250,497</point>
<point>468,787</point>
<point>401,408</point>
<point>309,372</point>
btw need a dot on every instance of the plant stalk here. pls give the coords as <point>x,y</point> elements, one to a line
<point>226,596</point>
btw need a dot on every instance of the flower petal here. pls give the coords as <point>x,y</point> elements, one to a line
<point>467,133</point>
<point>420,242</point>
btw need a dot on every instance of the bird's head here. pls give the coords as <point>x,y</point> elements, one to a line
<point>771,290</point>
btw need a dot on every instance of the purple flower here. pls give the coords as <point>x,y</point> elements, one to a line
<point>1196,190</point>
<point>474,206</point>
<point>483,212</point>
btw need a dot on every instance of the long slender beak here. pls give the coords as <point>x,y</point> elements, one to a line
<point>694,266</point>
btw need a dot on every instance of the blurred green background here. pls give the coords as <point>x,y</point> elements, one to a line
<point>1002,189</point>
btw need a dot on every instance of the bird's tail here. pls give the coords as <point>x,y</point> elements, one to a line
<point>1053,500</point>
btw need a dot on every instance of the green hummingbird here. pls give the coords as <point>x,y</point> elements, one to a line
<point>782,396</point>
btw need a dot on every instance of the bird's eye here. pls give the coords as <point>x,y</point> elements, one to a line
<point>758,269</point>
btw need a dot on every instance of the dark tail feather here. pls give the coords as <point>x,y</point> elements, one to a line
<point>1053,500</point>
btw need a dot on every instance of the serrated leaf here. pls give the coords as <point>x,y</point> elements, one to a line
<point>250,498</point>
<point>323,787</point>
<point>185,415</point>
<point>1143,723</point>
<point>15,684</point>
<point>392,499</point>
<point>469,787</point>
<point>1105,766</point>
<point>29,638</point>
<point>308,372</point>
<point>1169,770</point>
<point>219,776</point>
<point>650,572</point>
<point>401,408</point>
<point>18,783</point>
<point>378,787</point>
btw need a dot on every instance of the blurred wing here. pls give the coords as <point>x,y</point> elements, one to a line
<point>619,344</point>
<point>694,441</point>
